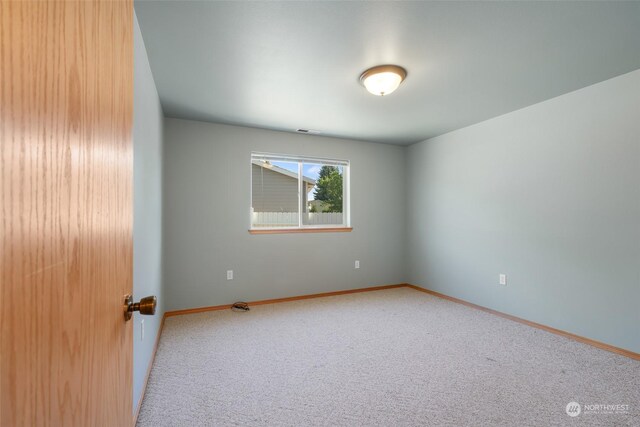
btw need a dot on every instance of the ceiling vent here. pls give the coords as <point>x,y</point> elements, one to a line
<point>308,131</point>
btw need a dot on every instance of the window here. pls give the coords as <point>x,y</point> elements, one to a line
<point>299,193</point>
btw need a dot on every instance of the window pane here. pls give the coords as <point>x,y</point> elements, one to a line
<point>322,194</point>
<point>274,194</point>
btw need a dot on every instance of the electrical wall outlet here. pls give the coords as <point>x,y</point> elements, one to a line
<point>229,274</point>
<point>503,279</point>
<point>357,264</point>
<point>141,329</point>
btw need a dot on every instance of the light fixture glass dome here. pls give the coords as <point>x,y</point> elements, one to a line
<point>383,79</point>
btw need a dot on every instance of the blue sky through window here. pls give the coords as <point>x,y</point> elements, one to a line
<point>308,169</point>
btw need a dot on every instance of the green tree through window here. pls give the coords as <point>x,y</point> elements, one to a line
<point>329,188</point>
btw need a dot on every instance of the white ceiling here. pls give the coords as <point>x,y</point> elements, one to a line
<point>289,65</point>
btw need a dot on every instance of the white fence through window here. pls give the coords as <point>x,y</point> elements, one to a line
<point>290,219</point>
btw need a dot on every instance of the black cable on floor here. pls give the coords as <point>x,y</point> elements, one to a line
<point>240,306</point>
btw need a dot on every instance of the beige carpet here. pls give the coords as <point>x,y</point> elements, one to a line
<point>397,357</point>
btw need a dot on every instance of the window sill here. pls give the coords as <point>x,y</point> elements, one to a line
<point>300,230</point>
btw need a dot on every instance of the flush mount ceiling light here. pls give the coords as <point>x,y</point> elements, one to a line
<point>383,79</point>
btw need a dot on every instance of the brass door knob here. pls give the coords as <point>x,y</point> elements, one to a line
<point>147,306</point>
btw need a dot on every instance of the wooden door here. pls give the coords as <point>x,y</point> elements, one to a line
<point>66,89</point>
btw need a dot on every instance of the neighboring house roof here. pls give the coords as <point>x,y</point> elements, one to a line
<point>283,171</point>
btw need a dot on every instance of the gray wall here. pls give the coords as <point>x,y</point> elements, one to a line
<point>549,195</point>
<point>207,213</point>
<point>147,215</point>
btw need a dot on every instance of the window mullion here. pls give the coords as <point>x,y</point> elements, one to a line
<point>346,197</point>
<point>300,194</point>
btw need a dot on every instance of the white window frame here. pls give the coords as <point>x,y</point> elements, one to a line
<point>300,160</point>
